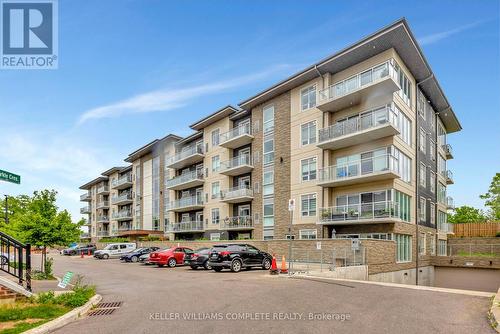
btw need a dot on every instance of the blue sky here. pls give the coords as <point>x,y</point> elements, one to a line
<point>133,71</point>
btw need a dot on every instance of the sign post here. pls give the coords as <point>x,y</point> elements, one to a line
<point>291,208</point>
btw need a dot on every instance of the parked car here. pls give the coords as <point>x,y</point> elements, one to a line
<point>115,250</point>
<point>237,257</point>
<point>134,255</point>
<point>4,259</point>
<point>171,256</point>
<point>198,259</point>
<point>77,250</point>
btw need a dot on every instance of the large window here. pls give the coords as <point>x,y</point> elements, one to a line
<point>308,133</point>
<point>215,163</point>
<point>421,244</point>
<point>268,150</point>
<point>421,102</point>
<point>432,182</point>
<point>441,195</point>
<point>215,216</point>
<point>308,97</point>
<point>441,221</point>
<point>404,205</point>
<point>268,212</point>
<point>441,135</point>
<point>308,169</point>
<point>433,214</point>
<point>307,234</point>
<point>433,244</point>
<point>422,140</point>
<point>405,84</point>
<point>268,182</point>
<point>403,247</point>
<point>404,165</point>
<point>441,164</point>
<point>432,150</point>
<point>308,205</point>
<point>404,127</point>
<point>268,116</point>
<point>422,209</point>
<point>215,137</point>
<point>423,175</point>
<point>442,245</point>
<point>215,189</point>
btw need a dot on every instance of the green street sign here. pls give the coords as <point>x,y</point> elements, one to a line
<point>9,177</point>
<point>65,280</point>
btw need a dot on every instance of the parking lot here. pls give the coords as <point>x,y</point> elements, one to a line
<point>160,300</point>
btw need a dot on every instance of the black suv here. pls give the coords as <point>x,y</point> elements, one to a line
<point>238,256</point>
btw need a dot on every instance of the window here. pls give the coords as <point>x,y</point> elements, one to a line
<point>308,97</point>
<point>442,220</point>
<point>215,163</point>
<point>403,248</point>
<point>441,164</point>
<point>268,150</point>
<point>421,244</point>
<point>433,182</point>
<point>404,127</point>
<point>268,119</point>
<point>404,165</point>
<point>405,84</point>
<point>215,216</point>
<point>422,139</point>
<point>308,205</point>
<point>422,209</point>
<point>307,234</point>
<point>421,103</point>
<point>308,133</point>
<point>433,214</point>
<point>308,169</point>
<point>441,195</point>
<point>215,189</point>
<point>423,175</point>
<point>268,182</point>
<point>432,150</point>
<point>215,137</point>
<point>404,205</point>
<point>433,244</point>
<point>442,245</point>
<point>441,135</point>
<point>268,212</point>
<point>289,237</point>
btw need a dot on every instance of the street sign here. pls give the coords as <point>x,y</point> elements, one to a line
<point>291,204</point>
<point>9,177</point>
<point>65,280</point>
<point>355,244</point>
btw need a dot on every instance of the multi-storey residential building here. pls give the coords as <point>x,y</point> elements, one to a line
<point>358,140</point>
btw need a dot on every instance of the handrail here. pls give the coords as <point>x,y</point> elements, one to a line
<point>367,166</point>
<point>360,211</point>
<point>15,259</point>
<point>239,160</point>
<point>186,152</point>
<point>240,130</point>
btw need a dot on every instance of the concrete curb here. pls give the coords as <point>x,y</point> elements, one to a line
<point>404,286</point>
<point>66,318</point>
<point>495,312</point>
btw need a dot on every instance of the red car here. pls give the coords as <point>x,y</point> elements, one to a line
<point>171,256</point>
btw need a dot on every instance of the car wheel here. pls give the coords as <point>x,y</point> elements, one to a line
<point>4,260</point>
<point>105,256</point>
<point>134,258</point>
<point>207,266</point>
<point>217,269</point>
<point>194,267</point>
<point>172,262</point>
<point>236,266</point>
<point>266,264</point>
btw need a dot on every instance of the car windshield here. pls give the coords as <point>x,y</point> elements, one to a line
<point>109,247</point>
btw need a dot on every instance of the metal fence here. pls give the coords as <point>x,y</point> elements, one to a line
<point>306,260</point>
<point>475,250</point>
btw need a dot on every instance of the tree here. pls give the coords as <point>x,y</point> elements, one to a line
<point>492,197</point>
<point>466,214</point>
<point>36,220</point>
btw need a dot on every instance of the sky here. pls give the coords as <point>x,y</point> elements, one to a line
<point>133,71</point>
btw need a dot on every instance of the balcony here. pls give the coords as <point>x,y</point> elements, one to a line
<point>103,219</point>
<point>189,203</point>
<point>122,199</point>
<point>84,236</point>
<point>365,213</point>
<point>122,182</point>
<point>237,137</point>
<point>186,180</point>
<point>85,197</point>
<point>102,205</point>
<point>380,80</point>
<point>87,223</point>
<point>85,210</point>
<point>190,226</point>
<point>445,227</point>
<point>103,233</point>
<point>237,223</point>
<point>125,227</point>
<point>450,204</point>
<point>238,194</point>
<point>448,151</point>
<point>122,215</point>
<point>103,190</point>
<point>241,164</point>
<point>448,176</point>
<point>377,168</point>
<point>188,156</point>
<point>364,127</point>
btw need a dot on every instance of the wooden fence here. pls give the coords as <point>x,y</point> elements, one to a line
<point>476,229</point>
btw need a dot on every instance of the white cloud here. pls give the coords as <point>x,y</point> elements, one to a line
<point>168,99</point>
<point>436,37</point>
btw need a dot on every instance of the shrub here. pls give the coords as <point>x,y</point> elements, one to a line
<point>104,240</point>
<point>79,296</point>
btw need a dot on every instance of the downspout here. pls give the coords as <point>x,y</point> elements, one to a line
<point>323,151</point>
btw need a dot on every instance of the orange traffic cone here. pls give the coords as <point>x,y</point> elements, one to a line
<point>88,252</point>
<point>274,267</point>
<point>283,270</point>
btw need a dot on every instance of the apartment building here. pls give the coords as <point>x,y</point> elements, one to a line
<point>358,140</point>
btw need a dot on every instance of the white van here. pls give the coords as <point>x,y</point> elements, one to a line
<point>115,250</point>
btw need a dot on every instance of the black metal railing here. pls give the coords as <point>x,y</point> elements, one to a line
<point>15,259</point>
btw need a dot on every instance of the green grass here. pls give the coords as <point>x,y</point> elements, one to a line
<point>22,327</point>
<point>477,254</point>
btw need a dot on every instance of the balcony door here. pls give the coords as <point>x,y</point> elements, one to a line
<point>244,182</point>
<point>244,210</point>
<point>199,216</point>
<point>244,156</point>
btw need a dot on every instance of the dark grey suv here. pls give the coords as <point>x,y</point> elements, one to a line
<point>237,257</point>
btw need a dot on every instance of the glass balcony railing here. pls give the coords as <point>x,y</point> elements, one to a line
<point>186,202</point>
<point>103,233</point>
<point>445,227</point>
<point>363,167</point>
<point>358,123</point>
<point>102,189</point>
<point>448,150</point>
<point>358,81</point>
<point>187,226</point>
<point>238,161</point>
<point>123,180</point>
<point>357,212</point>
<point>85,197</point>
<point>448,175</point>
<point>102,204</point>
<point>85,209</point>
<point>237,192</point>
<point>102,219</point>
<point>243,129</point>
<point>122,214</point>
<point>238,222</point>
<point>185,153</point>
<point>185,178</point>
<point>126,197</point>
<point>450,204</point>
